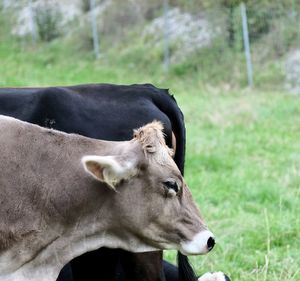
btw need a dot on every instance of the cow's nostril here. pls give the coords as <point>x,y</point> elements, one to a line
<point>210,243</point>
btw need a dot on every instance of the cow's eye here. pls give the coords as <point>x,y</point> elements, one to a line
<point>172,186</point>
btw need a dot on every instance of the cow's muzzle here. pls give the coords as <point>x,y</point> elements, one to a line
<point>201,244</point>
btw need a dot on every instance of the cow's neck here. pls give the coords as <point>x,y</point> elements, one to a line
<point>49,254</point>
<point>42,257</point>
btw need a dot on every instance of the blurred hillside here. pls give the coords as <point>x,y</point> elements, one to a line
<point>204,38</point>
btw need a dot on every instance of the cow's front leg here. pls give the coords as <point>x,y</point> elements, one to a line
<point>143,266</point>
<point>214,276</point>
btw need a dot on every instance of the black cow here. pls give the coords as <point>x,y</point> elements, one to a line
<point>110,112</point>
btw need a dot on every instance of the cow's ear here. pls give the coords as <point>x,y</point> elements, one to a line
<point>109,169</point>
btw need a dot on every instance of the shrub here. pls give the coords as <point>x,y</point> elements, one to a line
<point>47,18</point>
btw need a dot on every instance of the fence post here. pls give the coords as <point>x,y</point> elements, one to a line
<point>32,23</point>
<point>94,28</point>
<point>166,36</point>
<point>247,44</point>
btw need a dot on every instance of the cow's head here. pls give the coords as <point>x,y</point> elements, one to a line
<point>152,202</point>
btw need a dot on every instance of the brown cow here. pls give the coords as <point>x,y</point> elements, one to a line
<point>63,195</point>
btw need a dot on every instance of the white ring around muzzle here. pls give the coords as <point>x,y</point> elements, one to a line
<point>198,245</point>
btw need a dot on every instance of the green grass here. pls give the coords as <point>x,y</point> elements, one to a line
<point>243,155</point>
<point>243,165</point>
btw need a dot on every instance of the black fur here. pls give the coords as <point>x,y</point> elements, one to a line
<point>185,270</point>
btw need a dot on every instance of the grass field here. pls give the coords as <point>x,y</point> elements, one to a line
<point>242,164</point>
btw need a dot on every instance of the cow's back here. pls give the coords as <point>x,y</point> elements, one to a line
<point>101,111</point>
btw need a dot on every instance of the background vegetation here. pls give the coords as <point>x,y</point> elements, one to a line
<point>243,148</point>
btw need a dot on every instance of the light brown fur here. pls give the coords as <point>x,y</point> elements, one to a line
<point>152,140</point>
